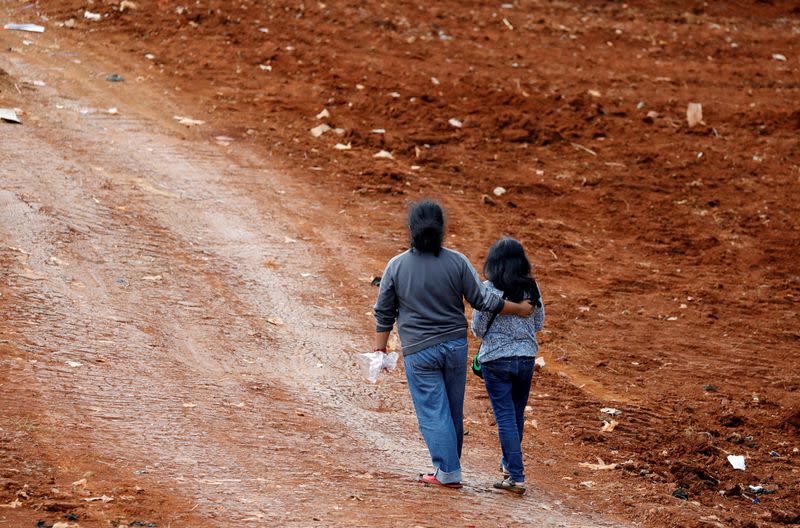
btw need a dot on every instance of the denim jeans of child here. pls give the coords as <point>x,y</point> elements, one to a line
<point>508,382</point>
<point>436,378</point>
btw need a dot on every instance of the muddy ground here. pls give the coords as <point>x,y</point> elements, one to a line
<point>200,275</point>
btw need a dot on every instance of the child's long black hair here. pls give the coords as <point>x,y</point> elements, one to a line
<point>510,271</point>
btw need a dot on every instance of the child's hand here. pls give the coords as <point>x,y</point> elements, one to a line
<point>525,308</point>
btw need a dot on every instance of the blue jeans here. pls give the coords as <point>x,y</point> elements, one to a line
<point>436,378</point>
<point>508,382</point>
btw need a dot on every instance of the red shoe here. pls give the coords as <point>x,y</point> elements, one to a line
<point>429,478</point>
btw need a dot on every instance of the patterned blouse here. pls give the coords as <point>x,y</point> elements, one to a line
<point>510,335</point>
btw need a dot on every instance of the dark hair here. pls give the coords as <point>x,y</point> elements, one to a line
<point>510,271</point>
<point>426,224</point>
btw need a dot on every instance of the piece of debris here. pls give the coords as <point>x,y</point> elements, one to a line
<point>610,410</point>
<point>80,483</point>
<point>588,484</point>
<point>69,23</point>
<point>383,154</point>
<point>12,505</point>
<point>378,131</point>
<point>600,466</point>
<point>152,278</point>
<point>342,146</point>
<point>455,122</point>
<point>681,494</point>
<point>114,78</point>
<point>188,121</point>
<point>435,81</point>
<point>102,498</point>
<point>33,28</point>
<point>539,363</point>
<point>323,114</point>
<point>608,426</point>
<point>737,461</point>
<point>578,146</point>
<point>760,490</point>
<point>74,364</point>
<point>508,24</point>
<point>189,405</point>
<point>277,321</point>
<point>779,57</point>
<point>499,191</point>
<point>486,199</point>
<point>91,16</point>
<point>127,4</point>
<point>113,111</point>
<point>149,56</point>
<point>395,95</point>
<point>318,130</point>
<point>593,93</point>
<point>9,115</point>
<point>694,114</point>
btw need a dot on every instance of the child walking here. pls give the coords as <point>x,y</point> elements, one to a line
<point>508,352</point>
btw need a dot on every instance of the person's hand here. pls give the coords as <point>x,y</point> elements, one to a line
<point>525,308</point>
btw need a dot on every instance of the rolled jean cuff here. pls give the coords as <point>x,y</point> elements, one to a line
<point>447,477</point>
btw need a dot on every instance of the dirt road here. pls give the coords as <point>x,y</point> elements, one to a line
<point>169,326</point>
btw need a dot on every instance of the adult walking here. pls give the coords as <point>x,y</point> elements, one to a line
<point>423,290</point>
<point>508,352</point>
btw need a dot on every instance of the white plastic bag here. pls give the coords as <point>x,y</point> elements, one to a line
<point>372,363</point>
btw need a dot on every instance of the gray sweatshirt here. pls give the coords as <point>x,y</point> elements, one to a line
<point>425,295</point>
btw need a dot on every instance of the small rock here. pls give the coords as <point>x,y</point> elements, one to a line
<point>323,114</point>
<point>486,199</point>
<point>383,154</point>
<point>318,130</point>
<point>455,122</point>
<point>499,191</point>
<point>91,16</point>
<point>651,117</point>
<point>681,494</point>
<point>779,57</point>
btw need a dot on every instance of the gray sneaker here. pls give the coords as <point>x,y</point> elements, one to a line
<point>509,485</point>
